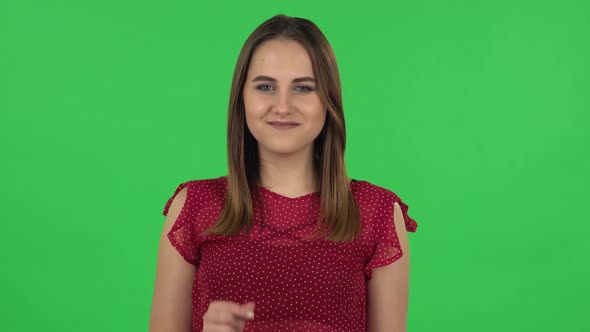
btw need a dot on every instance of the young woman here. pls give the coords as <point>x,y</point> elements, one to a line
<point>286,241</point>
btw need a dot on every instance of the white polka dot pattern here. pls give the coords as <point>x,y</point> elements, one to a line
<point>297,284</point>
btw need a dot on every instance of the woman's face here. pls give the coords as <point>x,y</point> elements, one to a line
<point>280,86</point>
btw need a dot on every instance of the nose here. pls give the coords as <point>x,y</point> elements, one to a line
<point>283,102</point>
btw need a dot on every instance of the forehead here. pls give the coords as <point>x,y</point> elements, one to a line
<point>280,59</point>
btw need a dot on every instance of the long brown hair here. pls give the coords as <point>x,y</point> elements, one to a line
<point>339,214</point>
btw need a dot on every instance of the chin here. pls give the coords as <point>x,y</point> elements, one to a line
<point>284,149</point>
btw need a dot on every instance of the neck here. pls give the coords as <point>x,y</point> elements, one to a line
<point>293,173</point>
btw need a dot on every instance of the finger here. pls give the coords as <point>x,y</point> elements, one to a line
<point>249,305</point>
<point>221,317</point>
<point>224,327</point>
<point>219,328</point>
<point>245,312</point>
<point>228,312</point>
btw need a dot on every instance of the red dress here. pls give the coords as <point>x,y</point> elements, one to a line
<point>297,285</point>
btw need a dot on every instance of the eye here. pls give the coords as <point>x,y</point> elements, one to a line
<point>305,88</point>
<point>261,87</point>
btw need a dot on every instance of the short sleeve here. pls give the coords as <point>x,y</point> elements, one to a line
<point>182,235</point>
<point>386,246</point>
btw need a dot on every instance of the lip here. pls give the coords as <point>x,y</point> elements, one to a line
<point>283,125</point>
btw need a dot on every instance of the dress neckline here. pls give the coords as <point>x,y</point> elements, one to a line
<point>300,197</point>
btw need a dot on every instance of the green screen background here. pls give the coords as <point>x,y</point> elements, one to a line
<point>474,112</point>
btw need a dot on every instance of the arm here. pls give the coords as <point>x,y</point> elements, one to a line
<point>389,287</point>
<point>172,303</point>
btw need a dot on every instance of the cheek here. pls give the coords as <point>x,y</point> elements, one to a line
<point>254,103</point>
<point>318,116</point>
<point>320,121</point>
<point>252,122</point>
<point>252,110</point>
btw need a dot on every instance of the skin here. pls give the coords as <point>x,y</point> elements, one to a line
<point>286,159</point>
<point>171,308</point>
<point>388,289</point>
<point>286,167</point>
<point>171,303</point>
<point>286,156</point>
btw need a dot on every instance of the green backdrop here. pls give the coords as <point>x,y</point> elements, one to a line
<point>474,112</point>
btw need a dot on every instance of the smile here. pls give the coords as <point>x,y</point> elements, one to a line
<point>283,127</point>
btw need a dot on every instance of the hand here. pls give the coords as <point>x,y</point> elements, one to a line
<point>227,316</point>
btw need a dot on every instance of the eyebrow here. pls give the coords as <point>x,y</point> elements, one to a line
<point>274,80</point>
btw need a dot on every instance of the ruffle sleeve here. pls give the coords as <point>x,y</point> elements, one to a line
<point>386,246</point>
<point>183,235</point>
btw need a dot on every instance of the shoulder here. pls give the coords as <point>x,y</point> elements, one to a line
<point>208,186</point>
<point>366,192</point>
<point>197,193</point>
<point>375,203</point>
<point>382,204</point>
<point>207,191</point>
